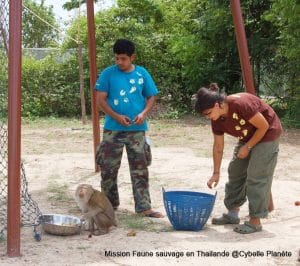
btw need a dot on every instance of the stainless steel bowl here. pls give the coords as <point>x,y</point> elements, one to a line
<point>61,225</point>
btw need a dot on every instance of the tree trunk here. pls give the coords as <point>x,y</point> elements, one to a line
<point>83,110</point>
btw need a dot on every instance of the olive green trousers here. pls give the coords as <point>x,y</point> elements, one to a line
<point>251,178</point>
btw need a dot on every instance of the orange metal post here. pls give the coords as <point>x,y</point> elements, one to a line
<point>242,45</point>
<point>14,128</point>
<point>93,74</point>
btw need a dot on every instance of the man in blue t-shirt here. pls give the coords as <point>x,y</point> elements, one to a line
<point>126,93</point>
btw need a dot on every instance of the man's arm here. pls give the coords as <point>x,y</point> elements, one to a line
<point>140,118</point>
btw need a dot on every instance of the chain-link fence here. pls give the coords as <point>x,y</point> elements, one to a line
<point>29,209</point>
<point>4,29</point>
<point>4,24</point>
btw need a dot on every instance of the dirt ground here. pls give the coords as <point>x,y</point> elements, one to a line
<point>58,156</point>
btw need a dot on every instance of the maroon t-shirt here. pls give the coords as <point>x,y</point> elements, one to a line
<point>242,107</point>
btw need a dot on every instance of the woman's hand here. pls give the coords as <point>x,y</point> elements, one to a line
<point>243,152</point>
<point>214,180</point>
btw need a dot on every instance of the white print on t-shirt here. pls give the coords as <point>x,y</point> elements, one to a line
<point>242,122</point>
<point>239,127</point>
<point>133,89</point>
<point>235,116</point>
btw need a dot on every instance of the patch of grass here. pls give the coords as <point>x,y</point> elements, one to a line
<point>58,193</point>
<point>46,122</point>
<point>159,125</point>
<point>133,221</point>
<point>56,122</point>
<point>137,222</point>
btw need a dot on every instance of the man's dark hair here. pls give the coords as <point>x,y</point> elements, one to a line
<point>123,46</point>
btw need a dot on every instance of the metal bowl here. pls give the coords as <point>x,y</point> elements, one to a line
<point>61,225</point>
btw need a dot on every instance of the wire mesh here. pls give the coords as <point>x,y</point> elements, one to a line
<point>4,29</point>
<point>29,208</point>
<point>4,24</point>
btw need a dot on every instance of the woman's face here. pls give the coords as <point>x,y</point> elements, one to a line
<point>212,113</point>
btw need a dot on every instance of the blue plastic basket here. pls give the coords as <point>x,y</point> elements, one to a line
<point>188,210</point>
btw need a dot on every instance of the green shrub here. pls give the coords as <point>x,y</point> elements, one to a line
<point>292,116</point>
<point>51,87</point>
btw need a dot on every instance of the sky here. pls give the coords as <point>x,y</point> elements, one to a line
<point>63,16</point>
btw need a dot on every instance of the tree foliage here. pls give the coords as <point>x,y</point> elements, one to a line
<point>36,32</point>
<point>3,84</point>
<point>186,44</point>
<point>284,14</point>
<point>72,4</point>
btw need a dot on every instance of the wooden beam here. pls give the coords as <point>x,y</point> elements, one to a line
<point>93,75</point>
<point>242,45</point>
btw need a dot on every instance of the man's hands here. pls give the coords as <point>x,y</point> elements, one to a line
<point>139,119</point>
<point>126,121</point>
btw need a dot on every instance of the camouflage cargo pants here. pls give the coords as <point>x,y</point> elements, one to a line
<point>109,155</point>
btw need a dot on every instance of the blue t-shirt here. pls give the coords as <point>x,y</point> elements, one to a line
<point>127,94</point>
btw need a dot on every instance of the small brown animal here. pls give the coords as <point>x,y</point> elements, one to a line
<point>96,209</point>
